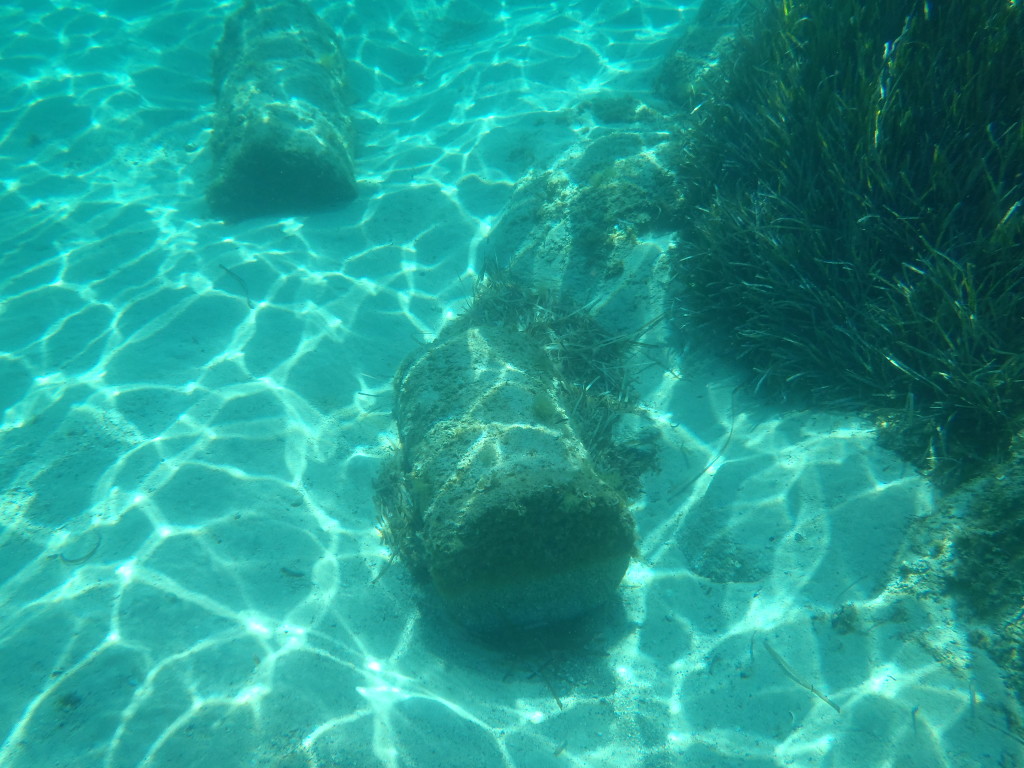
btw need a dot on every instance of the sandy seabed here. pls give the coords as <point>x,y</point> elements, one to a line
<point>193,414</point>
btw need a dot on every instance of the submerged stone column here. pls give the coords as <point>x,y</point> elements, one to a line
<point>282,135</point>
<point>494,497</point>
<point>522,440</point>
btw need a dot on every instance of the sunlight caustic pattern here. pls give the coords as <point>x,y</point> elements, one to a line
<point>192,415</point>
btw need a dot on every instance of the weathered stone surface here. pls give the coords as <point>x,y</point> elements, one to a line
<point>506,513</point>
<point>282,134</point>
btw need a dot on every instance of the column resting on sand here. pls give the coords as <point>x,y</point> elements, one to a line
<point>522,443</point>
<point>282,134</point>
<point>501,506</point>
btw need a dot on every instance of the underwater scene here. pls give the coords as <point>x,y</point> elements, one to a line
<point>512,384</point>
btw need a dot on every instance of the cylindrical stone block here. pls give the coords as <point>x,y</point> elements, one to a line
<point>500,504</point>
<point>282,134</point>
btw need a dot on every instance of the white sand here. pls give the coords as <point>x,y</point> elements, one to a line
<point>189,569</point>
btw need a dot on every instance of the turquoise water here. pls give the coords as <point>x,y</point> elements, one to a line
<point>193,414</point>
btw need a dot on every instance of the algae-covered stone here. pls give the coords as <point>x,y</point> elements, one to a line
<point>500,504</point>
<point>282,134</point>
